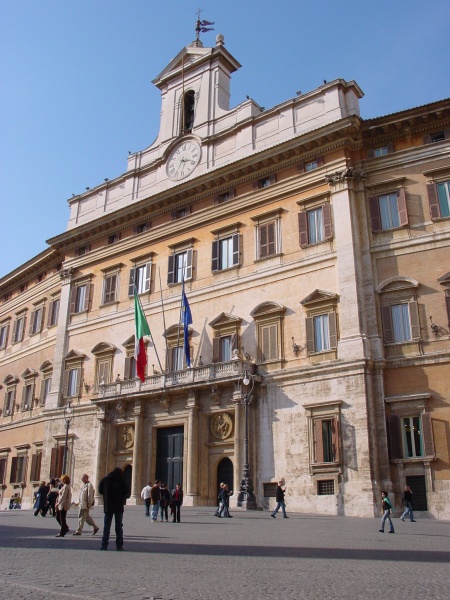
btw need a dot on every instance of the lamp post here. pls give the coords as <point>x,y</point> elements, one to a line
<point>246,498</point>
<point>68,416</point>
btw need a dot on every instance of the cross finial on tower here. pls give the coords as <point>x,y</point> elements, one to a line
<point>201,26</point>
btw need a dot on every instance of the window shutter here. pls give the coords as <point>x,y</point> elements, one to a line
<point>171,270</point>
<point>189,264</point>
<point>60,460</point>
<point>13,339</point>
<point>88,297</point>
<point>147,276</point>
<point>269,342</point>
<point>13,474</point>
<point>273,178</point>
<point>53,460</point>
<point>79,382</point>
<point>73,300</point>
<point>32,320</point>
<point>447,134</point>
<point>236,249</point>
<point>301,167</point>
<point>427,139</point>
<point>262,241</point>
<point>433,201</point>
<point>215,256</point>
<point>5,337</point>
<point>24,395</point>
<point>326,214</point>
<point>255,186</point>
<point>394,437</point>
<point>65,385</point>
<point>390,147</point>
<point>127,368</point>
<point>388,329</point>
<point>319,161</point>
<point>318,439</point>
<point>41,319</point>
<point>33,468</point>
<point>42,392</point>
<point>173,215</point>
<point>332,326</point>
<point>402,209</point>
<point>216,200</point>
<point>271,239</point>
<point>234,342</point>
<point>230,194</point>
<point>303,228</point>
<point>310,344</point>
<point>371,153</point>
<point>414,317</point>
<point>216,349</point>
<point>2,470</point>
<point>375,216</point>
<point>427,434</point>
<point>335,439</point>
<point>131,281</point>
<point>447,305</point>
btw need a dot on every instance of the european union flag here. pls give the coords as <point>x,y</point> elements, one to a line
<point>186,317</point>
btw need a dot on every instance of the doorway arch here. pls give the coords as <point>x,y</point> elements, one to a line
<point>127,473</point>
<point>225,473</point>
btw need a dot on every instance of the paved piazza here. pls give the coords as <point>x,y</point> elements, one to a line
<point>249,556</point>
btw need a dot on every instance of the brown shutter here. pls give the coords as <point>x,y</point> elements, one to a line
<point>2,470</point>
<point>73,300</point>
<point>303,228</point>
<point>427,435</point>
<point>271,238</point>
<point>171,269</point>
<point>127,368</point>
<point>335,439</point>
<point>234,342</point>
<point>265,344</point>
<point>414,318</point>
<point>42,319</point>
<point>42,392</point>
<point>427,139</point>
<point>388,328</point>
<point>433,201</point>
<point>371,153</point>
<point>33,468</point>
<point>447,134</point>
<point>24,395</point>
<point>215,256</point>
<point>65,384</point>
<point>32,319</point>
<point>131,282</point>
<point>301,167</point>
<point>147,276</point>
<point>189,257</point>
<point>230,194</point>
<point>273,337</point>
<point>318,439</point>
<point>79,382</point>
<point>13,474</point>
<point>60,460</point>
<point>216,349</point>
<point>216,200</point>
<point>390,147</point>
<point>262,241</point>
<point>236,249</point>
<point>332,329</point>
<point>255,185</point>
<point>53,461</point>
<point>319,161</point>
<point>326,214</point>
<point>375,216</point>
<point>5,339</point>
<point>310,343</point>
<point>402,208</point>
<point>394,437</point>
<point>447,305</point>
<point>88,297</point>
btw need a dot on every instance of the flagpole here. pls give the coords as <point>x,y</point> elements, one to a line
<point>181,312</point>
<point>164,316</point>
<point>151,336</point>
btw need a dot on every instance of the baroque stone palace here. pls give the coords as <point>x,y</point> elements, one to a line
<point>314,246</point>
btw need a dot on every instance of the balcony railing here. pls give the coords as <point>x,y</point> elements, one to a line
<point>196,376</point>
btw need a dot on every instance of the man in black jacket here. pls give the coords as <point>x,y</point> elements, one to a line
<point>280,501</point>
<point>115,492</point>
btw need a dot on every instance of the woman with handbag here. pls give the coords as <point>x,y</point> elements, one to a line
<point>63,505</point>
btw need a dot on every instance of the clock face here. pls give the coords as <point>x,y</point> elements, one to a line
<point>183,160</point>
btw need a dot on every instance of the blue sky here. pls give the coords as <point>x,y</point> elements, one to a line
<point>76,92</point>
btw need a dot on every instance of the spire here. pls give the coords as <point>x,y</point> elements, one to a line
<point>201,27</point>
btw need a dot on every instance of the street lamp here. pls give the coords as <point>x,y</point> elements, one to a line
<point>246,498</point>
<point>68,416</point>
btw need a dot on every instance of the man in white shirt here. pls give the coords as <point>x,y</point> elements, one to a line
<point>145,495</point>
<point>85,502</point>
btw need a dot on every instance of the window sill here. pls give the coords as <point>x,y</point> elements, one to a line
<point>258,260</point>
<point>412,460</point>
<point>325,468</point>
<point>112,303</point>
<point>219,271</point>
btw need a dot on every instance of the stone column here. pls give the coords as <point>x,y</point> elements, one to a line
<point>138,450</point>
<point>52,400</point>
<point>102,458</point>
<point>238,450</point>
<point>192,450</point>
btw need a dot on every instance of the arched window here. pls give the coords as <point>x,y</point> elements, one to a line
<point>188,111</point>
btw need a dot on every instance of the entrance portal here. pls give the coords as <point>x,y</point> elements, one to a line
<point>169,455</point>
<point>225,474</point>
<point>419,490</point>
<point>127,473</point>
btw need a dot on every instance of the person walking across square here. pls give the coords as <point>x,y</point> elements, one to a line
<point>85,503</point>
<point>115,492</point>
<point>145,495</point>
<point>407,503</point>
<point>155,497</point>
<point>387,507</point>
<point>279,497</point>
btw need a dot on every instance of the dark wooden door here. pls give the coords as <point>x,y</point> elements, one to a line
<point>225,474</point>
<point>419,491</point>
<point>169,455</point>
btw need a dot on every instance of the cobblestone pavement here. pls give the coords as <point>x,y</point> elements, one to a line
<point>205,558</point>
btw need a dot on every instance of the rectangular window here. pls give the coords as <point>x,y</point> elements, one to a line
<point>388,211</point>
<point>325,487</point>
<point>18,469</point>
<point>180,266</point>
<point>130,368</point>
<point>400,322</point>
<point>45,390</point>
<point>73,382</point>
<point>19,328</point>
<point>3,462</point>
<point>443,190</point>
<point>225,253</point>
<point>10,397</point>
<point>141,228</point>
<point>57,461</point>
<point>269,342</point>
<point>53,313</point>
<point>4,335</point>
<point>181,213</point>
<point>36,320</point>
<point>104,368</point>
<point>267,240</point>
<point>112,239</point>
<point>79,297</point>
<point>36,462</point>
<point>311,166</point>
<point>412,440</point>
<point>177,358</point>
<point>110,288</point>
<point>321,333</point>
<point>326,440</point>
<point>439,136</point>
<point>27,396</point>
<point>140,277</point>
<point>315,225</point>
<point>383,151</point>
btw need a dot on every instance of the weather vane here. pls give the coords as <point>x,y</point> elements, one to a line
<point>202,26</point>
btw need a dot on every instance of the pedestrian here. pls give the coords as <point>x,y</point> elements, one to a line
<point>52,496</point>
<point>155,497</point>
<point>387,507</point>
<point>407,503</point>
<point>219,498</point>
<point>41,499</point>
<point>63,504</point>
<point>145,495</point>
<point>279,497</point>
<point>164,502</point>
<point>85,503</point>
<point>176,501</point>
<point>115,492</point>
<point>225,502</point>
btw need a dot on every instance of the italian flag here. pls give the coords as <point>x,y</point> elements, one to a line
<point>142,329</point>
